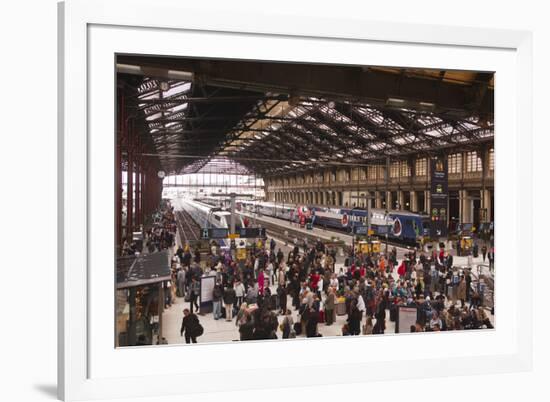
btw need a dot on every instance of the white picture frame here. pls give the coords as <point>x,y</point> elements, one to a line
<point>91,32</point>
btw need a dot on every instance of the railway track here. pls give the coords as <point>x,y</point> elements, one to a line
<point>188,229</point>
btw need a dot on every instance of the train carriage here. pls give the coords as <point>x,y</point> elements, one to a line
<point>208,216</point>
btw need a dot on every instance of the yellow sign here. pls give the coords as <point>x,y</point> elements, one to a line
<point>233,236</point>
<point>373,247</point>
<point>241,253</point>
<point>371,232</point>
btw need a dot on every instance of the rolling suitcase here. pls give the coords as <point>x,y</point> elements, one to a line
<point>321,316</point>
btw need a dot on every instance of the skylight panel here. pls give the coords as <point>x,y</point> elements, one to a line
<point>153,117</point>
<point>178,108</point>
<point>179,89</point>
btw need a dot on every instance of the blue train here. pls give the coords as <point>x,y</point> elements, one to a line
<point>402,226</point>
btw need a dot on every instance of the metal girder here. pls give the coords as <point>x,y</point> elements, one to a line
<point>372,86</point>
<point>210,99</point>
<point>230,98</point>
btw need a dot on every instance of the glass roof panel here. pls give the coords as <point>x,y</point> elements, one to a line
<point>178,89</point>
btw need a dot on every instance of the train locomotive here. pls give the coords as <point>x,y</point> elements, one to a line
<point>208,216</point>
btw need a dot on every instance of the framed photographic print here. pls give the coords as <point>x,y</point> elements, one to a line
<point>249,185</point>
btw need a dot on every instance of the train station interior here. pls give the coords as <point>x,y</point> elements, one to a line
<point>268,201</point>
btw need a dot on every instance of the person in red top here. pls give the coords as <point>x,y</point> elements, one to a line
<point>402,269</point>
<point>362,271</point>
<point>441,256</point>
<point>314,280</point>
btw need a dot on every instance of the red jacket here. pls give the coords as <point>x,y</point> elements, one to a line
<point>314,279</point>
<point>401,270</point>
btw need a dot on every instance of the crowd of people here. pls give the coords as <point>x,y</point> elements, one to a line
<point>160,236</point>
<point>260,292</point>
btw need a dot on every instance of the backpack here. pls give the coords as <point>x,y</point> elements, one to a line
<point>199,330</point>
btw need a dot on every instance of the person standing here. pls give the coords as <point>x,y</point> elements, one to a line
<point>239,293</point>
<point>329,306</point>
<point>484,252</point>
<point>449,261</point>
<point>354,319</point>
<point>461,292</point>
<point>468,279</point>
<point>270,273</point>
<point>229,298</point>
<point>282,294</point>
<point>261,282</point>
<point>217,295</point>
<point>180,279</point>
<point>281,274</point>
<point>311,323</point>
<point>287,324</point>
<point>190,325</point>
<point>280,257</point>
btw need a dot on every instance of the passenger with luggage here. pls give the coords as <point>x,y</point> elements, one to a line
<point>191,326</point>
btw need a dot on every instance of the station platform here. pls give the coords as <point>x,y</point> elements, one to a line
<point>316,232</point>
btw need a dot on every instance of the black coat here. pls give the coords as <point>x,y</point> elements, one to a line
<point>189,324</point>
<point>229,296</point>
<point>311,325</point>
<point>247,331</point>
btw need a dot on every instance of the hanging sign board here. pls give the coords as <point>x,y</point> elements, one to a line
<point>439,196</point>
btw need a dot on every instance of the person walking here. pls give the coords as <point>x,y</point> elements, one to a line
<point>484,252</point>
<point>194,294</point>
<point>229,298</point>
<point>191,326</point>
